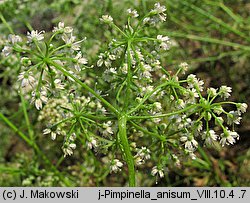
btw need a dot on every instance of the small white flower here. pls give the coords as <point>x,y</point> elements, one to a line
<point>184,67</point>
<point>176,160</point>
<point>156,171</point>
<point>13,39</point>
<point>53,135</point>
<point>79,60</point>
<point>159,10</point>
<point>72,145</point>
<point>143,153</point>
<point>39,98</point>
<point>26,79</point>
<point>69,145</point>
<point>164,42</point>
<point>116,165</point>
<point>211,91</point>
<point>35,35</point>
<point>7,50</point>
<point>191,95</point>
<point>105,58</point>
<point>218,110</point>
<point>133,13</point>
<point>106,19</point>
<point>107,128</point>
<point>233,117</point>
<point>209,137</point>
<point>241,108</point>
<point>46,131</point>
<point>70,40</point>
<point>92,143</point>
<point>190,143</point>
<point>139,161</point>
<point>58,84</point>
<point>67,151</point>
<point>228,137</point>
<point>225,91</point>
<point>146,20</point>
<point>194,82</point>
<point>62,28</point>
<point>157,106</point>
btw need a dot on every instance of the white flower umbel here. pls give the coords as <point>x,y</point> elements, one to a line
<point>209,137</point>
<point>143,153</point>
<point>62,28</point>
<point>106,19</point>
<point>159,10</point>
<point>233,117</point>
<point>35,35</point>
<point>190,143</point>
<point>133,13</point>
<point>107,129</point>
<point>27,80</point>
<point>92,143</point>
<point>241,108</point>
<point>164,42</point>
<point>184,67</point>
<point>194,82</point>
<point>38,98</point>
<point>70,41</point>
<point>79,60</point>
<point>211,91</point>
<point>68,149</point>
<point>225,91</point>
<point>115,165</point>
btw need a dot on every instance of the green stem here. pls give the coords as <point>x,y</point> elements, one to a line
<point>215,19</point>
<point>148,132</point>
<point>15,129</point>
<point>30,131</point>
<point>6,24</point>
<point>122,125</point>
<point>129,76</point>
<point>162,115</point>
<point>209,40</point>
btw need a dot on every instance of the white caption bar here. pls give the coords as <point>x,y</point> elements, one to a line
<point>124,194</point>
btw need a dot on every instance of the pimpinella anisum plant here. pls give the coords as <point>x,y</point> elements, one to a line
<point>127,99</point>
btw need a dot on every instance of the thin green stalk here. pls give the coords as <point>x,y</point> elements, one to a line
<point>129,76</point>
<point>15,129</point>
<point>122,125</point>
<point>215,19</point>
<point>117,28</point>
<point>6,24</point>
<point>148,132</point>
<point>30,130</point>
<point>234,16</point>
<point>162,115</point>
<point>208,39</point>
<point>86,87</point>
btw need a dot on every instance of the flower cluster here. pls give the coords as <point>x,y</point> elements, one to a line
<point>129,98</point>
